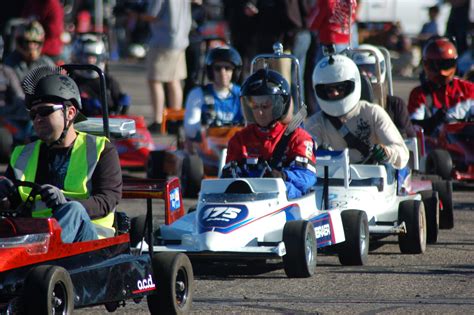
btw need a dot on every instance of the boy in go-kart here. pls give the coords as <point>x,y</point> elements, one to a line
<point>264,147</point>
<point>345,121</point>
<point>217,103</point>
<point>394,105</point>
<point>441,97</point>
<point>91,49</point>
<point>79,174</point>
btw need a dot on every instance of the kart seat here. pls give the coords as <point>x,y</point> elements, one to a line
<point>239,187</point>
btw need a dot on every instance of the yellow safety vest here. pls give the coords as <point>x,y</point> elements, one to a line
<point>85,155</point>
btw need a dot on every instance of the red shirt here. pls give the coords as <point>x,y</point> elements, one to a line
<point>330,18</point>
<point>456,97</point>
<point>255,142</point>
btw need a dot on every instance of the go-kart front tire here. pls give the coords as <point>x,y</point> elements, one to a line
<point>439,162</point>
<point>137,230</point>
<point>192,175</point>
<point>354,251</point>
<point>6,143</point>
<point>301,249</point>
<point>445,192</point>
<point>173,273</point>
<point>412,212</point>
<point>431,202</point>
<point>154,165</point>
<point>48,290</point>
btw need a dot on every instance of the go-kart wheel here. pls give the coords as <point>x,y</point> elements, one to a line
<point>192,175</point>
<point>137,229</point>
<point>173,273</point>
<point>445,191</point>
<point>48,290</point>
<point>354,251</point>
<point>439,162</point>
<point>431,201</point>
<point>412,212</point>
<point>6,143</point>
<point>154,165</point>
<point>301,249</point>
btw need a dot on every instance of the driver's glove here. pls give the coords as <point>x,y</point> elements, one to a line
<point>7,188</point>
<point>52,196</point>
<point>378,153</point>
<point>276,174</point>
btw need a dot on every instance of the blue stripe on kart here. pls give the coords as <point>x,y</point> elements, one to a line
<point>323,229</point>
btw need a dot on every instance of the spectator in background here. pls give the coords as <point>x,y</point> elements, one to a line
<point>170,23</point>
<point>430,28</point>
<point>50,13</point>
<point>10,89</point>
<point>458,23</point>
<point>27,54</point>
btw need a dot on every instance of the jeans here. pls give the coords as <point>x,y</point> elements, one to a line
<point>75,223</point>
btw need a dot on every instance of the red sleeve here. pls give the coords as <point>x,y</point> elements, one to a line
<point>234,148</point>
<point>415,100</point>
<point>302,144</point>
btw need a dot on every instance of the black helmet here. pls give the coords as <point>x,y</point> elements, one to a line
<point>227,54</point>
<point>50,84</point>
<point>266,82</point>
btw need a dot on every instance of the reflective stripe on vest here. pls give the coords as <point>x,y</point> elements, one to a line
<point>85,154</point>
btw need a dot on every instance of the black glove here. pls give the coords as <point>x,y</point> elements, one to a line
<point>52,196</point>
<point>378,153</point>
<point>276,174</point>
<point>7,188</point>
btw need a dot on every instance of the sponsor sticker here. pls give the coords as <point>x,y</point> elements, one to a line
<point>175,203</point>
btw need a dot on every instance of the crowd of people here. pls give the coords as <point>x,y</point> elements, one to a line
<point>341,116</point>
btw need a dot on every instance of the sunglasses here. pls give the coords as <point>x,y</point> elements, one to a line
<point>44,111</point>
<point>218,68</point>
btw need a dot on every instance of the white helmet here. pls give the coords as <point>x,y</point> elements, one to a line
<point>85,46</point>
<point>340,72</point>
<point>366,62</point>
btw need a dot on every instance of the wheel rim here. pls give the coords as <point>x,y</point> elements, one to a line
<point>363,239</point>
<point>182,287</point>
<point>59,299</point>
<point>309,245</point>
<point>422,226</point>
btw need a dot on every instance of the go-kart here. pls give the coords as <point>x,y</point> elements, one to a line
<point>250,219</point>
<point>372,189</point>
<point>39,274</point>
<point>195,161</point>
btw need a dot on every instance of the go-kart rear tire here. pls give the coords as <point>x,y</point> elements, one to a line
<point>174,280</point>
<point>6,144</point>
<point>192,175</point>
<point>431,201</point>
<point>412,212</point>
<point>445,192</point>
<point>301,249</point>
<point>48,290</point>
<point>439,162</point>
<point>154,165</point>
<point>137,229</point>
<point>354,251</point>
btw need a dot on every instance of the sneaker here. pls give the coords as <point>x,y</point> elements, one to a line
<point>154,127</point>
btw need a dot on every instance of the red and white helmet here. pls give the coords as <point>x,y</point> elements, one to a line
<point>439,60</point>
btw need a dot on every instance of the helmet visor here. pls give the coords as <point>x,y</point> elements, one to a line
<point>334,91</point>
<point>442,64</point>
<point>262,102</point>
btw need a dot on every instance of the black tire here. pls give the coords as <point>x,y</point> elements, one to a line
<point>301,249</point>
<point>439,162</point>
<point>154,165</point>
<point>354,251</point>
<point>431,201</point>
<point>6,144</point>
<point>173,273</point>
<point>48,290</point>
<point>137,229</point>
<point>192,175</point>
<point>445,192</point>
<point>412,212</point>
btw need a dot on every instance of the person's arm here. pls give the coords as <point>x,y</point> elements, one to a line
<point>106,184</point>
<point>387,134</point>
<point>14,90</point>
<point>401,117</point>
<point>192,115</point>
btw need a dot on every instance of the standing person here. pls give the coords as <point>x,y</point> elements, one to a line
<point>442,97</point>
<point>170,22</point>
<point>430,28</point>
<point>27,54</point>
<point>266,102</point>
<point>217,103</point>
<point>458,23</point>
<point>345,121</point>
<point>50,13</point>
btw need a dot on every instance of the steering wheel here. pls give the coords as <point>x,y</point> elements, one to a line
<point>235,169</point>
<point>26,207</point>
